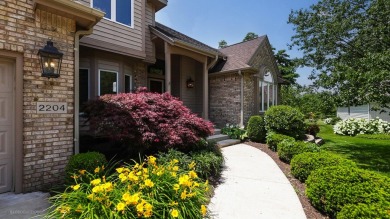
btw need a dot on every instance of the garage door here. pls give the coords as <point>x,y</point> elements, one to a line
<point>6,123</point>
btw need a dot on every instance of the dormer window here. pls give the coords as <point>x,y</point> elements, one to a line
<point>119,11</point>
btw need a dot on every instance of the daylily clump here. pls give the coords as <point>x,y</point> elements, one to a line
<point>142,190</point>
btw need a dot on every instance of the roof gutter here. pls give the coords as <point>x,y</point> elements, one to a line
<point>251,69</point>
<point>194,49</point>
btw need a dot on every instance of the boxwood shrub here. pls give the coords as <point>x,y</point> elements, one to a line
<point>329,189</point>
<point>285,120</point>
<point>287,149</point>
<point>273,139</point>
<point>303,164</point>
<point>83,161</point>
<point>256,129</point>
<point>365,211</point>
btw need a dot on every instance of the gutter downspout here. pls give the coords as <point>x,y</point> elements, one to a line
<point>77,88</point>
<point>241,100</point>
<point>213,62</point>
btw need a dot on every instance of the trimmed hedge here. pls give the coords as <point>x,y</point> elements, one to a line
<point>285,120</point>
<point>303,164</point>
<point>287,149</point>
<point>84,161</point>
<point>365,211</point>
<point>273,139</point>
<point>256,129</point>
<point>331,188</point>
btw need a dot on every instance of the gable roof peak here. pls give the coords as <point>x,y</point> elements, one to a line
<point>260,38</point>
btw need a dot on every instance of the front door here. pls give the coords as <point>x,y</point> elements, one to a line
<point>6,124</point>
<point>156,85</point>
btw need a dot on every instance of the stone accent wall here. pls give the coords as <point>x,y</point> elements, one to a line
<point>47,138</point>
<point>224,91</point>
<point>140,74</point>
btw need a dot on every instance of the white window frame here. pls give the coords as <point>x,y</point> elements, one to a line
<point>274,93</point>
<point>113,13</point>
<point>131,82</point>
<point>117,82</point>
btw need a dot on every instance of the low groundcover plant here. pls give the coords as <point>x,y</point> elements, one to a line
<point>143,190</point>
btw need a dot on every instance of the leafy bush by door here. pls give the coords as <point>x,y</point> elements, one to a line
<point>256,129</point>
<point>147,119</point>
<point>285,120</point>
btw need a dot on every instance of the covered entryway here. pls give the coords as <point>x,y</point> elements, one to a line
<point>7,123</point>
<point>184,69</point>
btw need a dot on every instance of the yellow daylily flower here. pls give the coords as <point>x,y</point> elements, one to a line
<point>203,209</point>
<point>120,206</point>
<point>96,182</point>
<point>175,213</point>
<point>76,187</point>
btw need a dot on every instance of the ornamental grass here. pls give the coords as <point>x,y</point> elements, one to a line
<point>143,190</point>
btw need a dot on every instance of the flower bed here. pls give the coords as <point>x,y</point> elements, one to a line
<point>145,190</point>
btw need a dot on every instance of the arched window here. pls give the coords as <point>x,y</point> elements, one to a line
<point>267,92</point>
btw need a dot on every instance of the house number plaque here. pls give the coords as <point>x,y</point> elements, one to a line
<point>52,107</point>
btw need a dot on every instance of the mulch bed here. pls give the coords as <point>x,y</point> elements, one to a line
<point>310,211</point>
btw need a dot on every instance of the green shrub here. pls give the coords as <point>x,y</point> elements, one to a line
<point>285,120</point>
<point>256,129</point>
<point>151,189</point>
<point>273,139</point>
<point>312,129</point>
<point>208,163</point>
<point>84,161</point>
<point>234,132</point>
<point>303,164</point>
<point>365,211</point>
<point>331,188</point>
<point>287,149</point>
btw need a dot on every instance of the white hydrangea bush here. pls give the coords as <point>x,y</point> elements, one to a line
<point>328,121</point>
<point>356,126</point>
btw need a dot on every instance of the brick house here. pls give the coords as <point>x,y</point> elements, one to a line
<point>109,47</point>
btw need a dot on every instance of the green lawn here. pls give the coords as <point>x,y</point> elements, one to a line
<point>373,154</point>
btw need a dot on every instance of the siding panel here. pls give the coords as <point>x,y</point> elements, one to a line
<point>120,35</point>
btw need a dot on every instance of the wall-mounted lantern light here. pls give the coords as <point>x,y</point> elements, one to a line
<point>50,59</point>
<point>190,83</point>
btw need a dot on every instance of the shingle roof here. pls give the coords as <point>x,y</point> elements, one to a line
<point>238,55</point>
<point>177,36</point>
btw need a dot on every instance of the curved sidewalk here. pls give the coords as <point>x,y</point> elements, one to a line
<point>253,187</point>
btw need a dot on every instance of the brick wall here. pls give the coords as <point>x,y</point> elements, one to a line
<point>224,91</point>
<point>47,138</point>
<point>250,95</point>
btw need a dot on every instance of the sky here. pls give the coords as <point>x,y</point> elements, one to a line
<point>211,21</point>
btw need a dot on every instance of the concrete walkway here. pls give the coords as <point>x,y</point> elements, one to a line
<point>253,187</point>
<point>23,206</point>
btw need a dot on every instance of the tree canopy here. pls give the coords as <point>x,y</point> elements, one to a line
<point>250,36</point>
<point>287,66</point>
<point>348,43</point>
<point>222,44</point>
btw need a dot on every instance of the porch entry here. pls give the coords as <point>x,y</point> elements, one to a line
<point>7,124</point>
